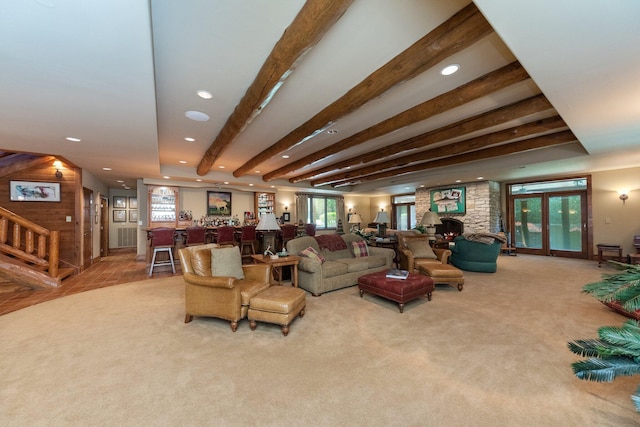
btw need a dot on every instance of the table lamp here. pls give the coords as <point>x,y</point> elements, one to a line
<point>268,226</point>
<point>355,219</point>
<point>381,219</point>
<point>430,220</point>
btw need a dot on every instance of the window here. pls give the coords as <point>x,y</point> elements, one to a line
<point>404,212</point>
<point>323,212</point>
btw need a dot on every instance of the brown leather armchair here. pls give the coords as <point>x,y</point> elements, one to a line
<point>222,297</point>
<point>421,253</point>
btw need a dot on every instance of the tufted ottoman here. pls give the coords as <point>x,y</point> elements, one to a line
<point>398,290</point>
<point>443,273</point>
<point>278,305</point>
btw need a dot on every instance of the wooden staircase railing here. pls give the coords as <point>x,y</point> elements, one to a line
<point>29,242</point>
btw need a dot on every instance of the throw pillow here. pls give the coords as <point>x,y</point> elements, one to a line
<point>421,250</point>
<point>226,262</point>
<point>201,262</point>
<point>313,254</point>
<point>360,248</point>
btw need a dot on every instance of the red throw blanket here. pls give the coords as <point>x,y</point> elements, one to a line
<point>331,242</point>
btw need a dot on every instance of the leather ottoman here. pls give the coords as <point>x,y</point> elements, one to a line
<point>398,290</point>
<point>443,273</point>
<point>278,305</point>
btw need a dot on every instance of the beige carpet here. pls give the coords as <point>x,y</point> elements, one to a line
<point>492,355</point>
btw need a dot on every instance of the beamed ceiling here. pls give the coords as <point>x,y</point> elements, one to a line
<point>322,95</point>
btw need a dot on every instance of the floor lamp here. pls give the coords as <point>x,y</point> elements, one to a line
<point>355,220</point>
<point>430,220</point>
<point>268,226</point>
<point>382,219</point>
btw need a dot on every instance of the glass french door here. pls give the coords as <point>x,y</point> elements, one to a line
<point>551,224</point>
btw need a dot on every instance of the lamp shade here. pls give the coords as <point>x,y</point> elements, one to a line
<point>355,219</point>
<point>430,218</point>
<point>381,217</point>
<point>268,222</point>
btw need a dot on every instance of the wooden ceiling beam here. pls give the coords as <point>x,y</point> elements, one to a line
<point>528,130</point>
<point>459,32</point>
<point>314,19</point>
<point>517,110</point>
<point>475,89</point>
<point>563,137</point>
<point>16,162</point>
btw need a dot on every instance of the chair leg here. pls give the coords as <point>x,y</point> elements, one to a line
<point>234,326</point>
<point>173,265</point>
<point>188,318</point>
<point>153,261</point>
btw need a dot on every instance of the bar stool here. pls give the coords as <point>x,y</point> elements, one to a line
<point>195,236</point>
<point>289,231</point>
<point>226,235</point>
<point>162,240</point>
<point>248,239</point>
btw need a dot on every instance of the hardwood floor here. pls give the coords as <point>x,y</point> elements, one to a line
<point>120,267</point>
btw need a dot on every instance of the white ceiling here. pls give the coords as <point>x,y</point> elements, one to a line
<point>121,74</point>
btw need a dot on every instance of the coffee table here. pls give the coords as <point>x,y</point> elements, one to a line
<point>397,290</point>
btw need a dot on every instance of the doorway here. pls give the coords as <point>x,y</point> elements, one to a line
<point>87,228</point>
<point>550,218</point>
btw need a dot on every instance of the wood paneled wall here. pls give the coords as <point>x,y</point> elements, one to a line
<point>51,215</point>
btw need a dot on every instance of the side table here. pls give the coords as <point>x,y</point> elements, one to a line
<point>605,252</point>
<point>277,264</point>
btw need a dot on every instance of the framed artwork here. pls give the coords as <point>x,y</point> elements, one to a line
<point>27,191</point>
<point>133,203</point>
<point>119,202</point>
<point>286,217</point>
<point>218,203</point>
<point>449,200</point>
<point>133,216</point>
<point>119,215</point>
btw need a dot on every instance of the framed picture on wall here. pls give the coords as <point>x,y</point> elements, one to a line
<point>119,215</point>
<point>119,202</point>
<point>133,216</point>
<point>218,203</point>
<point>286,217</point>
<point>133,203</point>
<point>448,200</point>
<point>27,191</point>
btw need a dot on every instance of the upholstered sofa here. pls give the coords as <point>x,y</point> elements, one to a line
<point>477,252</point>
<point>209,294</point>
<point>414,250</point>
<point>341,267</point>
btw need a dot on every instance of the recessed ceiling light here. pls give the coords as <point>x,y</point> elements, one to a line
<point>204,94</point>
<point>257,171</point>
<point>107,169</point>
<point>458,180</point>
<point>450,69</point>
<point>188,139</point>
<point>220,167</point>
<point>166,177</point>
<point>250,185</point>
<point>183,161</point>
<point>273,186</point>
<point>226,183</point>
<point>119,181</point>
<point>73,139</point>
<point>285,156</point>
<point>198,180</point>
<point>197,116</point>
<point>480,177</point>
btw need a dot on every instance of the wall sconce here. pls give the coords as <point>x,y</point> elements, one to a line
<point>286,207</point>
<point>623,196</point>
<point>58,164</point>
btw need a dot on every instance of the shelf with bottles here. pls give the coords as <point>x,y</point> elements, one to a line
<point>163,206</point>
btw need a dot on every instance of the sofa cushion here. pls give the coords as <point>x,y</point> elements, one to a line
<point>310,252</point>
<point>334,268</point>
<point>421,249</point>
<point>360,249</point>
<point>201,262</point>
<point>355,264</point>
<point>227,262</point>
<point>375,261</point>
<point>336,255</point>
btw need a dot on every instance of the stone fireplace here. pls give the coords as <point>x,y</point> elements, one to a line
<point>450,228</point>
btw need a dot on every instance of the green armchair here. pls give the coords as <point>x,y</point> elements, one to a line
<point>476,252</point>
